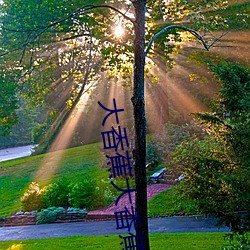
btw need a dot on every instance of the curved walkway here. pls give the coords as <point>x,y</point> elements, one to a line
<point>108,212</point>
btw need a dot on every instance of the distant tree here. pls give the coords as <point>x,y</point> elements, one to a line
<point>8,105</point>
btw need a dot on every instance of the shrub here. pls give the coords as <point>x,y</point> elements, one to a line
<point>73,209</point>
<point>103,194</point>
<point>64,193</point>
<point>33,198</point>
<point>81,194</point>
<point>57,193</point>
<point>48,215</point>
<point>243,242</point>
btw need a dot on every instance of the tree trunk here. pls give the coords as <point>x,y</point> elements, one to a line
<point>139,152</point>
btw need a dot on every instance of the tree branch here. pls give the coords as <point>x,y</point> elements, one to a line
<point>42,29</point>
<point>86,8</point>
<point>112,8</point>
<point>166,29</point>
<point>74,13</point>
<point>218,38</point>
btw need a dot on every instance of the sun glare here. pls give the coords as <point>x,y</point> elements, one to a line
<point>119,31</point>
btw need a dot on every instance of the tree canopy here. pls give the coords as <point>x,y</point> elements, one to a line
<point>50,43</point>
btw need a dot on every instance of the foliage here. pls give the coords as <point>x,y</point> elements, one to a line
<point>8,105</point>
<point>56,47</point>
<point>243,242</point>
<point>216,168</point>
<point>65,193</point>
<point>48,215</point>
<point>236,16</point>
<point>81,194</point>
<point>73,209</point>
<point>161,144</point>
<point>105,193</point>
<point>205,175</point>
<point>22,132</point>
<point>61,193</point>
<point>33,197</point>
<point>56,194</point>
<point>38,131</point>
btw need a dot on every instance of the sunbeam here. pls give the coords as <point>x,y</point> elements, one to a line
<point>51,161</point>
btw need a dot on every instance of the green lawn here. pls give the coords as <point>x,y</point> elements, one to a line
<point>169,202</point>
<point>171,241</point>
<point>16,175</point>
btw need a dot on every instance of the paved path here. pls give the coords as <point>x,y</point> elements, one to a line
<point>152,190</point>
<point>14,153</point>
<point>159,225</point>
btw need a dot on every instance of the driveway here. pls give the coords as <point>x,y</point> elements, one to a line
<point>159,225</point>
<point>14,153</point>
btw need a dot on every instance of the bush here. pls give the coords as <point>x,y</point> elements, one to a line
<point>48,215</point>
<point>33,198</point>
<point>103,194</point>
<point>77,210</point>
<point>243,242</point>
<point>57,193</point>
<point>62,193</point>
<point>81,194</point>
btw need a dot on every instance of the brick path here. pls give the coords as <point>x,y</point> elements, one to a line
<point>108,212</point>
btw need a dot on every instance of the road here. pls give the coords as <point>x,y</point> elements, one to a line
<point>178,224</point>
<point>14,153</point>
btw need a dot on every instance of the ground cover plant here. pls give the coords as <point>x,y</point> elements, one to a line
<point>170,241</point>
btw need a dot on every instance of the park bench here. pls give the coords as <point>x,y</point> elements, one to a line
<point>154,178</point>
<point>182,176</point>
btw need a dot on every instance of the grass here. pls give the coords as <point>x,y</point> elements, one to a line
<point>16,175</point>
<point>170,241</point>
<point>169,202</point>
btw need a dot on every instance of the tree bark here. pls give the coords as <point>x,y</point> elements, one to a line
<point>139,152</point>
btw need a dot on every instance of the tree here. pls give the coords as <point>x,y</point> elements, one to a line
<point>72,27</point>
<point>217,168</point>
